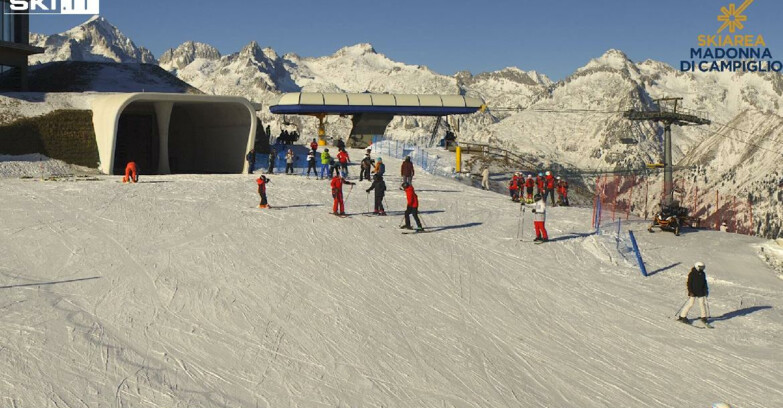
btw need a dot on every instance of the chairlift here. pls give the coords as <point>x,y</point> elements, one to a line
<point>628,141</point>
<point>655,165</point>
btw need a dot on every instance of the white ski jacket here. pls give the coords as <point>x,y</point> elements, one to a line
<point>540,211</point>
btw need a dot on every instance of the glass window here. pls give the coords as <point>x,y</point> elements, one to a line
<point>7,22</point>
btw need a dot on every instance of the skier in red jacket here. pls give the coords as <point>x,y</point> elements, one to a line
<point>513,187</point>
<point>412,208</point>
<point>262,181</point>
<point>540,184</point>
<point>337,194</point>
<point>550,186</point>
<point>343,158</point>
<point>130,173</point>
<point>529,184</point>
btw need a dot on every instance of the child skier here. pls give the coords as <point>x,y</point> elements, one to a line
<point>262,182</point>
<point>697,290</point>
<point>337,194</point>
<point>311,164</point>
<point>539,219</point>
<point>412,208</point>
<point>289,161</point>
<point>380,190</point>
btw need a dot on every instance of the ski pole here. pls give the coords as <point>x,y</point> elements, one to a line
<point>349,193</point>
<point>680,309</point>
<point>423,224</point>
<point>707,303</point>
<point>519,220</point>
<point>523,223</point>
<point>368,202</point>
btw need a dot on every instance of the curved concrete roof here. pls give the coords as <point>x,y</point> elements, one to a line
<point>107,110</point>
<point>304,103</point>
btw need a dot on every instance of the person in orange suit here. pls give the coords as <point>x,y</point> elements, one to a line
<point>130,173</point>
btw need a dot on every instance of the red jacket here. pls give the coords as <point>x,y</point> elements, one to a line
<point>314,146</point>
<point>540,182</point>
<point>550,182</point>
<point>342,157</point>
<point>513,185</point>
<point>337,185</point>
<point>530,183</point>
<point>407,169</point>
<point>413,199</point>
<point>261,185</point>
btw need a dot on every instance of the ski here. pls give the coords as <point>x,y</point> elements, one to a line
<point>406,232</point>
<point>340,215</point>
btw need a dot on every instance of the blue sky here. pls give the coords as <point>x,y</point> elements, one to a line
<point>553,37</point>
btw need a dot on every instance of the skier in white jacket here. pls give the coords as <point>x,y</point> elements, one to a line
<point>485,178</point>
<point>540,218</point>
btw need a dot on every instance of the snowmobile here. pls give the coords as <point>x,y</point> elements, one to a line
<point>671,217</point>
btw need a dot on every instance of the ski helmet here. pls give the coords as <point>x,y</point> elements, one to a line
<point>549,173</point>
<point>529,176</point>
<point>326,150</point>
<point>699,266</point>
<point>558,177</point>
<point>540,174</point>
<point>405,185</point>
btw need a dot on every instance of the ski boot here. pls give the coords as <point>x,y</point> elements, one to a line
<point>683,320</point>
<point>407,227</point>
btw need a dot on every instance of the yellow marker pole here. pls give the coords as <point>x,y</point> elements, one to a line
<point>459,159</point>
<point>321,131</point>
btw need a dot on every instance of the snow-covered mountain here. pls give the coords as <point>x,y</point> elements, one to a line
<point>521,104</point>
<point>96,41</point>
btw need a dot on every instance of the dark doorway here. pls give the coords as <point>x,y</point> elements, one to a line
<point>137,140</point>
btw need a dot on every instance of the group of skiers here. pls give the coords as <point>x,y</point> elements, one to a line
<point>338,175</point>
<point>521,188</point>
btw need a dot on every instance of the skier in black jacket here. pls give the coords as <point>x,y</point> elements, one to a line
<point>380,190</point>
<point>697,290</point>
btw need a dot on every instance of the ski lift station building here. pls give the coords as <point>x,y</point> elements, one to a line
<point>168,133</point>
<point>372,112</point>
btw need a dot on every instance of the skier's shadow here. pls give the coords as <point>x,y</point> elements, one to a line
<point>665,268</point>
<point>420,212</point>
<point>49,283</point>
<point>300,205</point>
<point>448,227</point>
<point>572,236</point>
<point>740,312</point>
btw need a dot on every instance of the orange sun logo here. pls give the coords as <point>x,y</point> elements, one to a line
<point>732,17</point>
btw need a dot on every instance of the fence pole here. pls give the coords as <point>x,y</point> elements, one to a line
<point>717,211</point>
<point>614,201</point>
<point>752,233</point>
<point>595,200</point>
<point>646,194</point>
<point>734,213</point>
<point>630,199</point>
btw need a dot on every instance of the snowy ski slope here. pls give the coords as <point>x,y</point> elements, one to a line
<point>178,292</point>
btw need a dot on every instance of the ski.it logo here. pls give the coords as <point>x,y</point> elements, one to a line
<point>55,7</point>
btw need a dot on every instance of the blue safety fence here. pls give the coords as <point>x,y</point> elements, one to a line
<point>300,158</point>
<point>429,162</point>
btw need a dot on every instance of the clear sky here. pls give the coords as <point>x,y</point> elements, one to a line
<point>553,37</point>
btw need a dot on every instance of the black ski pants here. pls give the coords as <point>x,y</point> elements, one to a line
<point>379,203</point>
<point>415,213</point>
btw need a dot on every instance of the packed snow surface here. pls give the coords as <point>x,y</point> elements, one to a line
<point>179,292</point>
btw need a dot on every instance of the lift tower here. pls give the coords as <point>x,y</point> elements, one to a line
<point>667,114</point>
